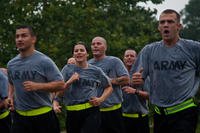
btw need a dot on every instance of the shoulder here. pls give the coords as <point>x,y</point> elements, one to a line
<point>93,67</point>
<point>13,59</point>
<point>2,75</point>
<point>4,70</point>
<point>91,60</point>
<point>69,68</point>
<point>189,43</point>
<point>153,45</point>
<point>113,58</point>
<point>42,58</point>
<point>95,70</point>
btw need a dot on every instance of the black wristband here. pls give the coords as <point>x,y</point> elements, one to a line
<point>56,99</point>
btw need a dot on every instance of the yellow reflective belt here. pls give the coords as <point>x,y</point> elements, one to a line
<point>4,114</point>
<point>133,115</point>
<point>78,107</point>
<point>156,109</point>
<point>35,112</point>
<point>174,109</point>
<point>117,106</point>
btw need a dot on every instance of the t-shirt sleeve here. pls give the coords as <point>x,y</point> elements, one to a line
<point>65,72</point>
<point>3,86</point>
<point>104,79</point>
<point>142,62</point>
<point>120,68</point>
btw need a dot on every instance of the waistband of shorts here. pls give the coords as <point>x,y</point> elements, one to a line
<point>133,115</point>
<point>4,114</point>
<point>176,108</point>
<point>34,112</point>
<point>114,107</point>
<point>78,107</point>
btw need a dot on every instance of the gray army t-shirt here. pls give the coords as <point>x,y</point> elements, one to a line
<point>173,71</point>
<point>37,68</point>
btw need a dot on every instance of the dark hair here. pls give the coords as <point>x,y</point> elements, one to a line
<point>26,27</point>
<point>170,11</point>
<point>81,43</point>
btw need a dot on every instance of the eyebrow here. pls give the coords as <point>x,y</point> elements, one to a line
<point>168,21</point>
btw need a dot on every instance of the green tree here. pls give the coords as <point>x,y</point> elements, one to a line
<point>191,30</point>
<point>61,23</point>
<point>191,21</point>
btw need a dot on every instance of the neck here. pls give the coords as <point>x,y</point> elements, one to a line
<point>27,52</point>
<point>128,68</point>
<point>99,57</point>
<point>171,43</point>
<point>82,64</point>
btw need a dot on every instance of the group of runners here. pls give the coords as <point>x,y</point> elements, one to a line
<point>103,94</point>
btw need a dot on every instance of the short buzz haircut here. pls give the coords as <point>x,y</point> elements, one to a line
<point>131,50</point>
<point>170,11</point>
<point>26,27</point>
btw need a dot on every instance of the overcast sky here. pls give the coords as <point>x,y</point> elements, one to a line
<point>177,5</point>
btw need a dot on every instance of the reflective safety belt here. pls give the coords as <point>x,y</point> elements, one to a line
<point>117,106</point>
<point>78,107</point>
<point>4,114</point>
<point>176,108</point>
<point>34,112</point>
<point>133,115</point>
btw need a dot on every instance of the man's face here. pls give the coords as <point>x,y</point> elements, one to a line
<point>169,27</point>
<point>98,47</point>
<point>129,57</point>
<point>24,40</point>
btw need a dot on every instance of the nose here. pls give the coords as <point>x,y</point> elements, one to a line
<point>94,44</point>
<point>79,51</point>
<point>166,23</point>
<point>18,38</point>
<point>129,56</point>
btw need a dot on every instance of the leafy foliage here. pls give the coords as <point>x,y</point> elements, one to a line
<point>191,21</point>
<point>61,23</point>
